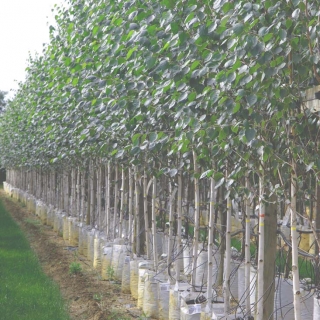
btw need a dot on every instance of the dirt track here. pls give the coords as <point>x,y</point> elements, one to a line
<point>87,296</point>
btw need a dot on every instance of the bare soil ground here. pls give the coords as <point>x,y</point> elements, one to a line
<point>86,295</point>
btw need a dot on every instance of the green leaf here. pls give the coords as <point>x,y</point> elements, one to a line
<point>214,96</point>
<point>183,36</point>
<point>49,128</point>
<point>219,183</point>
<point>238,28</point>
<point>70,27</point>
<point>222,135</point>
<point>236,108</point>
<point>192,96</point>
<point>153,136</point>
<point>246,79</point>
<point>288,23</point>
<point>257,49</point>
<point>252,99</point>
<point>229,183</point>
<point>262,31</point>
<point>247,6</point>
<point>207,173</point>
<point>175,27</point>
<point>309,166</point>
<point>95,30</point>
<point>120,153</point>
<point>183,96</point>
<point>296,13</point>
<point>135,150</point>
<point>67,61</point>
<point>267,37</point>
<point>283,34</point>
<point>131,51</point>
<point>194,65</point>
<point>162,65</point>
<point>150,62</point>
<point>135,138</point>
<point>173,172</point>
<point>265,156</point>
<point>250,134</point>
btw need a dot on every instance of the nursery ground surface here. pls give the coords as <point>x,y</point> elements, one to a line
<point>85,294</point>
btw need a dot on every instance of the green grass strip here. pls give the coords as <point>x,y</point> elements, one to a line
<point>26,293</point>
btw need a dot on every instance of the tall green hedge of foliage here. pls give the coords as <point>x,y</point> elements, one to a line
<point>151,80</point>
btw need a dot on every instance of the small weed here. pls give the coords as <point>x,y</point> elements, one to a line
<point>110,272</point>
<point>143,316</point>
<point>116,315</point>
<point>75,268</point>
<point>97,297</point>
<point>33,221</point>
<point>75,254</point>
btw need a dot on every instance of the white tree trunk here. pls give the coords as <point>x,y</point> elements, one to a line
<point>154,223</point>
<point>210,244</point>
<point>107,197</point>
<point>172,193</point>
<point>196,220</point>
<point>116,199</point>
<point>227,266</point>
<point>136,211</point>
<point>92,195</point>
<point>247,266</point>
<point>260,271</point>
<point>294,239</point>
<point>66,192</point>
<point>61,187</point>
<point>122,201</point>
<point>178,257</point>
<point>99,195</point>
<point>73,192</point>
<point>130,212</point>
<point>83,185</point>
<point>78,192</point>
<point>145,211</point>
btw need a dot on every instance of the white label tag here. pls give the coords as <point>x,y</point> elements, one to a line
<point>164,287</point>
<point>127,259</point>
<point>286,218</point>
<point>195,308</point>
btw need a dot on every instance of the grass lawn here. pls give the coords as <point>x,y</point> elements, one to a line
<point>26,293</point>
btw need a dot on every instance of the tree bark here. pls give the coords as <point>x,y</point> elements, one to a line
<point>270,251</point>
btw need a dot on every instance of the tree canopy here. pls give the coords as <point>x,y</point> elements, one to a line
<point>2,99</point>
<point>136,80</point>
